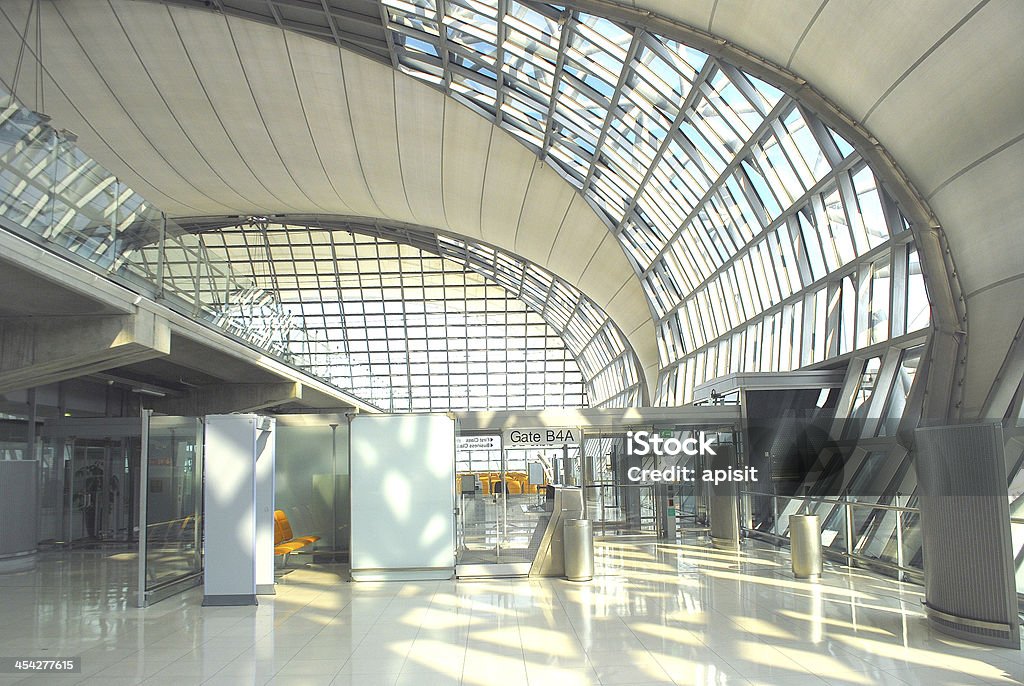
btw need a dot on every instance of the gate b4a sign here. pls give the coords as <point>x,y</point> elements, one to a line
<point>541,437</point>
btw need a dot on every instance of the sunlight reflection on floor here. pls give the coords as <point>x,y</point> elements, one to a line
<point>654,614</point>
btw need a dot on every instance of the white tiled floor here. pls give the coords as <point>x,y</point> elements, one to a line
<point>655,614</point>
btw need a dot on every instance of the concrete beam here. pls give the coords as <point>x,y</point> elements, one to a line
<point>227,398</point>
<point>40,350</point>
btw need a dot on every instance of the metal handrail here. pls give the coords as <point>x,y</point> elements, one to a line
<point>902,571</point>
<point>838,501</point>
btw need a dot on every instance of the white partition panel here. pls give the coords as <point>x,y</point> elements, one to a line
<point>234,447</point>
<point>264,474</point>
<point>403,496</point>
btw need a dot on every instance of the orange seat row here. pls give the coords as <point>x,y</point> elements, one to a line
<point>490,482</point>
<point>285,541</point>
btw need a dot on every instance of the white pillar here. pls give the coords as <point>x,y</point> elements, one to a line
<point>233,446</point>
<point>265,458</point>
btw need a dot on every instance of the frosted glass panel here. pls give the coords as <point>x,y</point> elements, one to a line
<point>311,484</point>
<point>403,481</point>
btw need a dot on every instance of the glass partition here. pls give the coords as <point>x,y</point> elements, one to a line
<point>502,498</point>
<point>170,552</point>
<point>88,482</point>
<point>311,483</point>
<point>614,502</point>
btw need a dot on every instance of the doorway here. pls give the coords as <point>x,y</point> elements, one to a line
<point>503,504</point>
<point>88,483</point>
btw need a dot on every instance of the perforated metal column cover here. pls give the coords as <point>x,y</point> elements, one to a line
<point>724,502</point>
<point>965,525</point>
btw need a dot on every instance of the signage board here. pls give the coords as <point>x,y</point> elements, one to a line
<point>541,437</point>
<point>467,443</point>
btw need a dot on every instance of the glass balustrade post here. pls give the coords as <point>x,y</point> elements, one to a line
<point>197,275</point>
<point>899,539</point>
<point>848,511</point>
<point>54,163</point>
<point>775,515</point>
<point>112,248</point>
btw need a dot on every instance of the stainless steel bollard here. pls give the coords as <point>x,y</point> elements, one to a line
<point>579,549</point>
<point>805,546</point>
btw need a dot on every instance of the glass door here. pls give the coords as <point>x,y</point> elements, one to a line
<point>171,507</point>
<point>502,507</point>
<point>477,522</point>
<point>615,503</point>
<point>521,508</point>
<point>99,499</point>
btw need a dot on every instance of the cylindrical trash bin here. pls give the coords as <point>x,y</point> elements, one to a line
<point>579,549</point>
<point>805,546</point>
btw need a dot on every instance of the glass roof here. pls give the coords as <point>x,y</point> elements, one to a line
<point>731,199</point>
<point>409,320</point>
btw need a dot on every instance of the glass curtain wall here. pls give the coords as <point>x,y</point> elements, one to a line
<point>762,237</point>
<point>402,328</point>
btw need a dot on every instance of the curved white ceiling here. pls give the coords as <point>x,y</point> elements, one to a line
<point>179,101</point>
<point>203,114</point>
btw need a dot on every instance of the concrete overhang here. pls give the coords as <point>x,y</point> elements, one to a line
<point>50,305</point>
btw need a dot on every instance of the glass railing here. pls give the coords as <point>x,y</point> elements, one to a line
<point>859,532</point>
<point>57,196</point>
<point>883,536</point>
<point>1017,536</point>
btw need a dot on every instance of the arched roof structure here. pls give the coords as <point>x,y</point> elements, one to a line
<point>211,114</point>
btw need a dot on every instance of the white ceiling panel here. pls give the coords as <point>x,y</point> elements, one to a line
<point>505,182</point>
<point>901,34</point>
<point>632,310</point>
<point>988,199</point>
<point>577,241</point>
<point>998,313</point>
<point>958,104</point>
<point>268,70</point>
<point>211,48</point>
<point>547,201</point>
<point>644,343</point>
<point>320,83</point>
<point>92,111</point>
<point>420,119</point>
<point>370,89</point>
<point>126,79</point>
<point>698,13</point>
<point>762,28</point>
<point>604,275</point>
<point>156,41</point>
<point>465,134</point>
